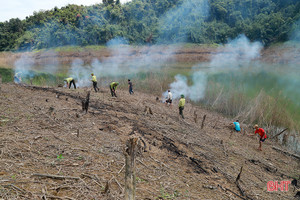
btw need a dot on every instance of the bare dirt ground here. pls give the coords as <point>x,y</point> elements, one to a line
<point>179,160</point>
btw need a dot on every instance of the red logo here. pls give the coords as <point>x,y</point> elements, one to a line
<point>274,185</point>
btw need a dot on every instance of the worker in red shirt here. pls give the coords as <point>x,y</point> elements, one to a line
<point>262,133</point>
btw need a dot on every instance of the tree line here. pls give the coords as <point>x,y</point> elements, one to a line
<point>153,21</point>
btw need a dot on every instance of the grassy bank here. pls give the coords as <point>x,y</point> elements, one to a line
<point>6,74</point>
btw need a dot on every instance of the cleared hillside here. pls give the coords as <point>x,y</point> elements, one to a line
<point>178,159</point>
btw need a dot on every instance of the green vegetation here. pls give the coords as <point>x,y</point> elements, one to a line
<point>147,21</point>
<point>254,97</point>
<point>59,157</point>
<point>6,74</point>
<point>165,195</point>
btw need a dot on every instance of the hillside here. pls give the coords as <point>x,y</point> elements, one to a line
<point>154,22</point>
<point>176,159</point>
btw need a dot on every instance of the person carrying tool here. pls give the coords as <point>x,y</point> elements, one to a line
<point>69,81</point>
<point>181,105</point>
<point>169,98</point>
<point>113,87</point>
<point>263,136</point>
<point>94,80</point>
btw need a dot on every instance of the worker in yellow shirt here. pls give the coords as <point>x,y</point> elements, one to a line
<point>69,82</point>
<point>94,80</point>
<point>181,105</point>
<point>113,87</point>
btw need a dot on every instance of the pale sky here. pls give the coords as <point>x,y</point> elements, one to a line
<point>22,8</point>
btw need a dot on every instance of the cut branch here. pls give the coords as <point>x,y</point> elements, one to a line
<point>279,133</point>
<point>287,153</point>
<point>56,176</point>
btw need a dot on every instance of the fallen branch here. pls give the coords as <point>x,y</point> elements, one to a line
<point>226,189</point>
<point>287,153</point>
<point>57,197</point>
<point>279,133</point>
<point>56,176</point>
<point>15,188</point>
<point>239,175</point>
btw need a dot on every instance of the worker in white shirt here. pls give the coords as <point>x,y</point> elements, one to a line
<point>169,98</point>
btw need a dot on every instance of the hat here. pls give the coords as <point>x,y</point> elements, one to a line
<point>182,96</point>
<point>255,126</point>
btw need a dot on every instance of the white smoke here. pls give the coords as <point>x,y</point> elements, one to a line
<point>23,66</point>
<point>123,60</point>
<point>238,53</point>
<point>176,24</point>
<point>30,63</point>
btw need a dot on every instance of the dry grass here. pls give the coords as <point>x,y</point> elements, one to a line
<point>37,139</point>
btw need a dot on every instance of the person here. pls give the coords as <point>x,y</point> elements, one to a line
<point>169,98</point>
<point>236,125</point>
<point>69,81</point>
<point>130,87</point>
<point>263,136</point>
<point>113,87</point>
<point>17,77</point>
<point>181,105</point>
<point>94,80</point>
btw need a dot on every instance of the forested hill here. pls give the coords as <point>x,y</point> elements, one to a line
<point>153,21</point>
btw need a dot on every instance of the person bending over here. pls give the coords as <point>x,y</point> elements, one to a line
<point>262,135</point>
<point>69,82</point>
<point>113,87</point>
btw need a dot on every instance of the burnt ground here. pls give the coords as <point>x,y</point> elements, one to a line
<point>176,159</point>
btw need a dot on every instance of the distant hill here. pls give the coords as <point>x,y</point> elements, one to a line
<point>153,21</point>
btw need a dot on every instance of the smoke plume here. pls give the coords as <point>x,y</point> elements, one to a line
<point>238,53</point>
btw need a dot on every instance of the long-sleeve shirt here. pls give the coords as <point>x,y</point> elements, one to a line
<point>94,79</point>
<point>113,85</point>
<point>181,102</point>
<point>170,95</point>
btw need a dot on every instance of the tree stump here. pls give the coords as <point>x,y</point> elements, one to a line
<point>203,120</point>
<point>85,102</point>
<point>0,82</point>
<point>130,178</point>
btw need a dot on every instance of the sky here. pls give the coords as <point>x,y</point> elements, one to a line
<point>22,8</point>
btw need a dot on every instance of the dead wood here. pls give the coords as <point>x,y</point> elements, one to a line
<point>56,176</point>
<point>15,188</point>
<point>195,117</point>
<point>85,102</point>
<point>203,120</point>
<point>57,197</point>
<point>279,133</point>
<point>148,110</point>
<point>106,188</point>
<point>130,179</point>
<point>226,189</point>
<point>0,82</point>
<point>287,153</point>
<point>239,175</point>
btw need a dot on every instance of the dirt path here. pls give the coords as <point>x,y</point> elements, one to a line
<point>178,159</point>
